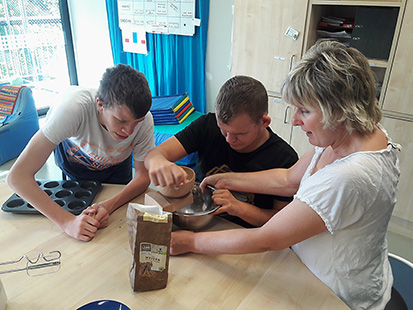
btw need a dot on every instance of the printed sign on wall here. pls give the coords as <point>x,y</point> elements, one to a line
<point>159,16</point>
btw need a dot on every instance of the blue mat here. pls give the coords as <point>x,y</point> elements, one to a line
<point>164,132</point>
<point>170,110</point>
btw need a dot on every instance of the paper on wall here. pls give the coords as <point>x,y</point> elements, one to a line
<point>134,39</point>
<point>159,16</point>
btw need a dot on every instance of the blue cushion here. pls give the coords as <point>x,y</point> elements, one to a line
<point>403,280</point>
<point>19,127</point>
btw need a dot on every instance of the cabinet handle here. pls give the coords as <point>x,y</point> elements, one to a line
<point>277,101</point>
<point>291,62</point>
<point>286,114</point>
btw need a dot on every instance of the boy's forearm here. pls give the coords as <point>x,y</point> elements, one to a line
<point>149,158</point>
<point>253,214</point>
<point>134,188</point>
<point>171,150</point>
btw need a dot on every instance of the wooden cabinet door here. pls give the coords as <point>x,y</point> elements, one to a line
<point>399,92</point>
<point>260,47</point>
<point>400,132</point>
<point>280,118</point>
<point>299,141</point>
<point>281,113</point>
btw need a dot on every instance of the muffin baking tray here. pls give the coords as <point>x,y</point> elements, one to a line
<point>73,196</point>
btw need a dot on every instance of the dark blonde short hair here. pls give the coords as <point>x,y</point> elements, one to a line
<point>241,94</point>
<point>338,80</point>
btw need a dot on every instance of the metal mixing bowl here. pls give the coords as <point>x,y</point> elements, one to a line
<point>197,214</point>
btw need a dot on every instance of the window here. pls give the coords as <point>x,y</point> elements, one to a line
<point>36,48</point>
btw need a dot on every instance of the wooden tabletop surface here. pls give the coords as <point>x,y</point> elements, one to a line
<point>99,269</point>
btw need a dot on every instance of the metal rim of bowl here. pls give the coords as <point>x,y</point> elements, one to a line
<point>196,214</point>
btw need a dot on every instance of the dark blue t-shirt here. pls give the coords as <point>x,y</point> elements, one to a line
<point>116,174</point>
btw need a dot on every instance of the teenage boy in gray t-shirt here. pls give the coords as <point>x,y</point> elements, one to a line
<point>93,134</point>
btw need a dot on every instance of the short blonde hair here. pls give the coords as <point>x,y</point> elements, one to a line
<point>241,94</point>
<point>339,80</point>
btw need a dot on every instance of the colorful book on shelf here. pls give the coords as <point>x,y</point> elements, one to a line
<point>335,26</point>
<point>171,109</point>
<point>336,23</point>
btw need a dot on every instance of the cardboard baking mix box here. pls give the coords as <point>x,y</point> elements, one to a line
<point>149,229</point>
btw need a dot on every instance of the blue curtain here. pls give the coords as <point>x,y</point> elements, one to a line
<point>175,64</point>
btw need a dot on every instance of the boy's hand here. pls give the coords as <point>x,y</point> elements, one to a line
<point>99,213</point>
<point>166,173</point>
<point>82,227</point>
<point>227,202</point>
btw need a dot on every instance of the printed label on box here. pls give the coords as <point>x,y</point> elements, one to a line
<point>152,257</point>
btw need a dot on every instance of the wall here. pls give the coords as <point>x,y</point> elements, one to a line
<point>93,53</point>
<point>91,40</point>
<point>218,58</point>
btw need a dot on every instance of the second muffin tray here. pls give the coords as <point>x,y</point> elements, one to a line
<point>73,196</point>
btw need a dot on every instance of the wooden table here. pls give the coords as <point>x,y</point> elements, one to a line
<point>99,269</point>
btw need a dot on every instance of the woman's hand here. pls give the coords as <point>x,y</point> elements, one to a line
<point>213,180</point>
<point>181,242</point>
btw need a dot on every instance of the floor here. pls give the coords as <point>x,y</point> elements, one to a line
<point>398,244</point>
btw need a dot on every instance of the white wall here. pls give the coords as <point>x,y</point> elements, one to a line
<point>93,53</point>
<point>91,40</point>
<point>218,58</point>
